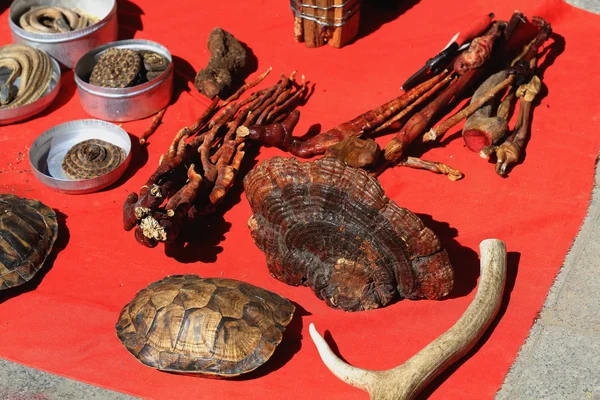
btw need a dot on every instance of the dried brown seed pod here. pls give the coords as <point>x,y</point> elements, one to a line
<point>329,226</point>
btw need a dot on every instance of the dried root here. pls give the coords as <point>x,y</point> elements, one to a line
<point>200,165</point>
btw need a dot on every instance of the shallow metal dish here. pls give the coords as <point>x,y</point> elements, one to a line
<point>67,48</point>
<point>129,103</point>
<point>12,115</point>
<point>49,149</point>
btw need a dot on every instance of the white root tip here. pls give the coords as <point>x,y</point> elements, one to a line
<point>242,131</point>
<point>430,136</point>
<point>356,377</point>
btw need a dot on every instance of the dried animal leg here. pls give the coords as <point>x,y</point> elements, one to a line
<point>508,152</point>
<point>226,176</point>
<point>432,166</point>
<point>518,74</point>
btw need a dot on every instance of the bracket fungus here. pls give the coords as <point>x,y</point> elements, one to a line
<point>330,226</point>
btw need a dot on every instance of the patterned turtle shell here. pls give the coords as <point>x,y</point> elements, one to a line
<point>28,230</point>
<point>214,326</point>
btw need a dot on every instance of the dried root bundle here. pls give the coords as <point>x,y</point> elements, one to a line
<point>200,166</point>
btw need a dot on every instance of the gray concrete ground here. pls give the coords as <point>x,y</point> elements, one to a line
<point>18,382</point>
<point>559,360</point>
<point>589,5</point>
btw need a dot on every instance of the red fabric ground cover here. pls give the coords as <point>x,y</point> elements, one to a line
<point>65,324</point>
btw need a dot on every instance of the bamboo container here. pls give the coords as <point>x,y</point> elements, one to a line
<point>320,22</point>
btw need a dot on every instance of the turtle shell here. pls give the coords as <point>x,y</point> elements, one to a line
<point>28,229</point>
<point>329,226</point>
<point>212,326</point>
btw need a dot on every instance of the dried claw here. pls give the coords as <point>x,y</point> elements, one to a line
<point>507,154</point>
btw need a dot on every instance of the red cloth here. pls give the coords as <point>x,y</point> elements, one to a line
<point>66,325</point>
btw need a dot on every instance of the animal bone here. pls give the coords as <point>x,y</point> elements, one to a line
<point>408,379</point>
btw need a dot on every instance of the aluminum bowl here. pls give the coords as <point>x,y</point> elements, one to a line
<point>49,149</point>
<point>12,115</point>
<point>126,104</point>
<point>67,48</point>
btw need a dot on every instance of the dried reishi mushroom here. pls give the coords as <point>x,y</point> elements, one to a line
<point>329,226</point>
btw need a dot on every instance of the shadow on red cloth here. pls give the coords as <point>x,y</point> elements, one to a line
<point>68,87</point>
<point>139,158</point>
<point>4,5</point>
<point>129,16</point>
<point>289,346</point>
<point>464,260</point>
<point>61,242</point>
<point>376,13</point>
<point>184,79</point>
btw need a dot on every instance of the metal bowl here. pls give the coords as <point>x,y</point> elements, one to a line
<point>49,149</point>
<point>67,48</point>
<point>129,103</point>
<point>11,115</point>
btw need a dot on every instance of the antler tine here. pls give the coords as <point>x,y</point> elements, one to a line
<point>408,379</point>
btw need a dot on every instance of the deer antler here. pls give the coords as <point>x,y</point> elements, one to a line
<point>408,379</point>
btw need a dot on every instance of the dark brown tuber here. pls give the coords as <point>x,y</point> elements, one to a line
<point>228,57</point>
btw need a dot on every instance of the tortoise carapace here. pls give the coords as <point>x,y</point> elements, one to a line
<point>214,326</point>
<point>28,230</point>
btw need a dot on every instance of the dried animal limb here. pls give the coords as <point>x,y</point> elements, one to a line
<point>152,128</point>
<point>520,73</point>
<point>475,104</point>
<point>467,65</point>
<point>483,128</point>
<point>408,379</point>
<point>432,166</point>
<point>508,152</point>
<point>200,166</point>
